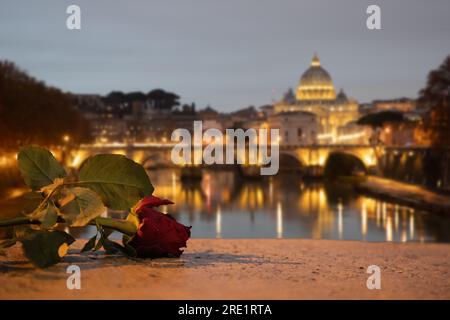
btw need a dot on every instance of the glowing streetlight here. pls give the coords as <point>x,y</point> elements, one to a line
<point>66,138</point>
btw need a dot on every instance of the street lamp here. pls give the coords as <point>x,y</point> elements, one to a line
<point>66,138</point>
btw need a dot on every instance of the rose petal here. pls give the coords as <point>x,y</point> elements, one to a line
<point>159,235</point>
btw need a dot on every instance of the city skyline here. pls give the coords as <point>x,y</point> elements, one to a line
<point>249,56</point>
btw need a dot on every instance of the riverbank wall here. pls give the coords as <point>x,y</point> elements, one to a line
<point>407,194</point>
<point>427,167</point>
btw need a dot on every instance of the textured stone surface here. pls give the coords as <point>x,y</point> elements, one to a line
<point>241,269</point>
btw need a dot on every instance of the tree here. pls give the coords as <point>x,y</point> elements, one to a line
<point>435,97</point>
<point>32,113</point>
<point>378,120</point>
<point>115,97</point>
<point>163,100</point>
<point>135,96</point>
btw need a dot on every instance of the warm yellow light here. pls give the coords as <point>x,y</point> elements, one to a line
<point>369,160</point>
<point>364,218</point>
<point>218,223</point>
<point>120,152</point>
<point>340,220</point>
<point>322,160</point>
<point>5,161</point>
<point>76,161</point>
<point>389,233</point>
<point>16,192</point>
<point>411,225</point>
<point>352,136</point>
<point>279,220</point>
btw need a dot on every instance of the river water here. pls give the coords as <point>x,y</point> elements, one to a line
<point>222,205</point>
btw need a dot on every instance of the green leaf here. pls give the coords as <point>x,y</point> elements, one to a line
<point>111,247</point>
<point>119,225</point>
<point>85,206</point>
<point>51,216</point>
<point>129,250</point>
<point>119,181</point>
<point>108,231</point>
<point>107,244</point>
<point>38,167</point>
<point>31,201</point>
<point>90,244</point>
<point>46,248</point>
<point>125,239</point>
<point>99,244</point>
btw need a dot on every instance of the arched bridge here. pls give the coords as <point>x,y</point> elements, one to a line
<point>159,154</point>
<point>404,163</point>
<point>148,155</point>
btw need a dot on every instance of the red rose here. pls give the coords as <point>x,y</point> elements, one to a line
<point>159,234</point>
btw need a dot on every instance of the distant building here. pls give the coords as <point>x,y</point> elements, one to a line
<point>352,133</point>
<point>315,94</point>
<point>89,103</point>
<point>208,113</point>
<point>108,129</point>
<point>161,125</point>
<point>408,133</point>
<point>401,104</point>
<point>245,114</point>
<point>267,110</point>
<point>210,119</point>
<point>107,125</point>
<point>296,127</point>
<point>225,120</point>
<point>365,108</point>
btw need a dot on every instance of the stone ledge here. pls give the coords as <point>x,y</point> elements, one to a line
<point>241,269</point>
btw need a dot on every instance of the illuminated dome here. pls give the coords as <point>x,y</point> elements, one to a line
<point>341,98</point>
<point>315,83</point>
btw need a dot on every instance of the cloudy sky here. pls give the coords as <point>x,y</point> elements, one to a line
<point>229,54</point>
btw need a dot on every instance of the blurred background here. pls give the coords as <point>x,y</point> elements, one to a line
<point>350,103</point>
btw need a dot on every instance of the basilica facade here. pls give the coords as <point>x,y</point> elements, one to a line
<point>316,94</point>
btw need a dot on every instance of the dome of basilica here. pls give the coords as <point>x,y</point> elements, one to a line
<point>315,83</point>
<point>342,98</point>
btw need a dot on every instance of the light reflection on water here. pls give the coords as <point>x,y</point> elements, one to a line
<point>223,206</point>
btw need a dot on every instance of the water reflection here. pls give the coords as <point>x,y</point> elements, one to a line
<point>279,221</point>
<point>218,223</point>
<point>222,205</point>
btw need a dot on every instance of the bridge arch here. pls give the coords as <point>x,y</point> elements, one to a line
<point>290,161</point>
<point>297,158</point>
<point>365,155</point>
<point>344,163</point>
<point>155,160</point>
